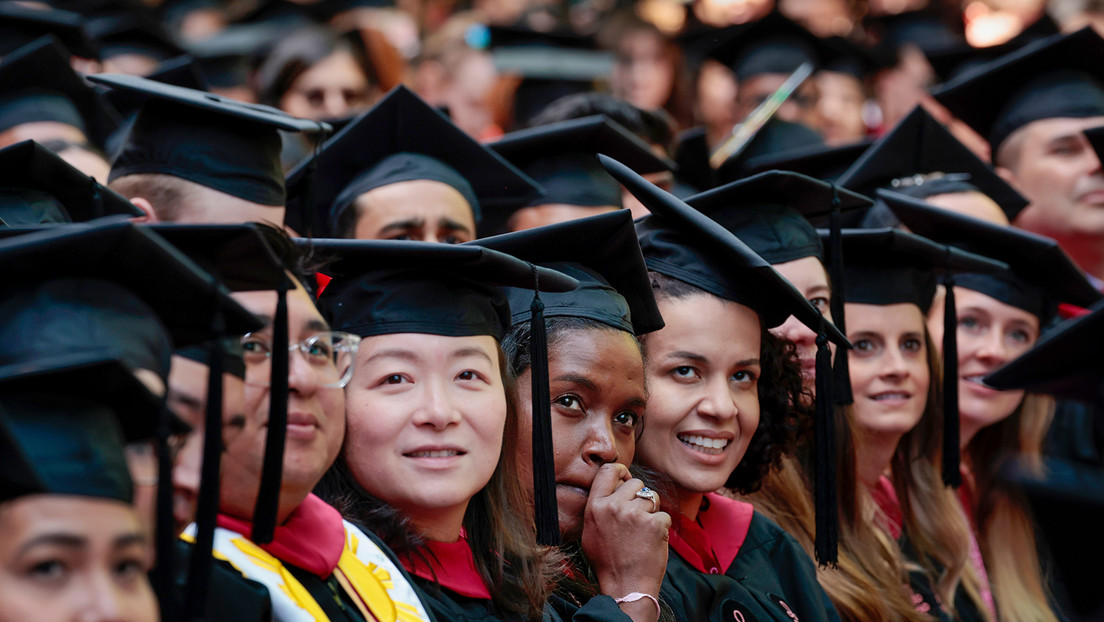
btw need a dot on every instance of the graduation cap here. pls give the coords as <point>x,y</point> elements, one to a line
<point>1096,139</point>
<point>890,266</point>
<point>929,30</point>
<point>229,57</point>
<point>1059,76</point>
<point>923,158</point>
<point>774,138</point>
<point>37,84</point>
<point>1041,276</point>
<point>818,161</point>
<point>560,157</point>
<point>400,139</point>
<point>848,57</point>
<point>1065,362</point>
<point>214,141</point>
<point>132,33</point>
<point>602,253</point>
<point>64,424</point>
<point>21,25</point>
<point>771,212</point>
<point>182,71</point>
<point>452,291</point>
<point>37,187</point>
<point>772,45</point>
<point>953,62</point>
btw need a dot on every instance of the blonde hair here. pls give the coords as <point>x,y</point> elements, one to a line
<point>1006,534</point>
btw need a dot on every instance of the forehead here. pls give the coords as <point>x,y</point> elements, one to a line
<point>892,319</point>
<point>970,299</point>
<point>703,324</point>
<point>1049,129</point>
<point>415,199</point>
<point>804,273</point>
<point>301,309</point>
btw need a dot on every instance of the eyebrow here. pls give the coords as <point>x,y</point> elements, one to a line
<point>465,352</point>
<point>395,353</point>
<point>312,324</point>
<point>400,225</point>
<point>56,539</point>
<point>130,539</point>
<point>185,398</point>
<point>682,354</point>
<point>452,225</point>
<point>747,362</point>
<point>578,379</point>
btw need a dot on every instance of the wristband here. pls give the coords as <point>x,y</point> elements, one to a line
<point>635,596</point>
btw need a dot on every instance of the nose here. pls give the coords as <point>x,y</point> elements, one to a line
<point>104,601</point>
<point>186,470</point>
<point>437,409</point>
<point>717,403</point>
<point>992,347</point>
<point>598,446</point>
<point>793,330</point>
<point>302,378</point>
<point>895,365</point>
<point>335,105</point>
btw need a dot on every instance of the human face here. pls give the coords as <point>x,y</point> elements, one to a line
<point>972,203</point>
<point>65,558</point>
<point>1052,163</point>
<point>427,416</point>
<point>841,108</point>
<point>334,88</point>
<point>596,381</point>
<point>703,403</point>
<point>188,399</point>
<point>316,414</point>
<point>990,333</point>
<point>809,277</point>
<point>552,213</point>
<point>421,210</point>
<point>889,366</point>
<point>643,74</point>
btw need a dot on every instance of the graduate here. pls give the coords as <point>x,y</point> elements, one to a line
<point>720,389</point>
<point>770,212</point>
<point>73,545</point>
<point>1000,317</point>
<point>314,564</point>
<point>610,524</point>
<point>896,414</point>
<point>402,171</point>
<point>430,462</point>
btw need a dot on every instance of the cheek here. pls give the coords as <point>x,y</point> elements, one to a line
<point>365,428</point>
<point>487,417</point>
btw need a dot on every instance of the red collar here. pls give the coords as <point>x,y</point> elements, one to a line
<point>886,497</point>
<point>312,538</point>
<point>451,565</point>
<point>712,542</point>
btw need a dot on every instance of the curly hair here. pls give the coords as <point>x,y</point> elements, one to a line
<point>780,397</point>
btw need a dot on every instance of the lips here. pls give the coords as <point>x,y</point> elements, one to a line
<point>574,488</point>
<point>891,396</point>
<point>435,452</point>
<point>704,444</point>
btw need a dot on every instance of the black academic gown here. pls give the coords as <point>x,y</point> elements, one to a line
<point>735,564</point>
<point>230,596</point>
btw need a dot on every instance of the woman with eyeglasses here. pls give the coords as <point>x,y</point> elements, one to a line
<point>316,564</point>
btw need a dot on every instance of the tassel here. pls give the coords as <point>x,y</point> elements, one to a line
<point>827,506</point>
<point>164,574</point>
<point>268,496</point>
<point>315,224</point>
<point>207,506</point>
<point>951,475</point>
<point>544,466</point>
<point>842,381</point>
<point>97,198</point>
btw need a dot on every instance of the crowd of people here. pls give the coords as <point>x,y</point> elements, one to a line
<point>526,310</point>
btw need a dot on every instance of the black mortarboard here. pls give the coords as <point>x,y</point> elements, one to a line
<point>182,71</point>
<point>850,58</point>
<point>1096,139</point>
<point>38,187</point>
<point>770,212</point>
<point>1041,276</point>
<point>691,155</point>
<point>773,44</point>
<point>1065,362</point>
<point>229,56</point>
<point>560,157</point>
<point>400,139</point>
<point>452,291</point>
<point>775,137</point>
<point>382,287</point>
<point>207,139</point>
<point>132,34</point>
<point>63,426</point>
<point>953,62</point>
<point>21,24</point>
<point>920,150</point>
<point>1059,76</point>
<point>681,242</point>
<point>890,266</point>
<point>603,254</point>
<point>818,161</point>
<point>37,84</point>
<point>929,30</point>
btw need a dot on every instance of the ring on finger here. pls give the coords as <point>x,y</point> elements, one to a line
<point>650,495</point>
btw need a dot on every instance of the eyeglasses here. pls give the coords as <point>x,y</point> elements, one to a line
<point>330,354</point>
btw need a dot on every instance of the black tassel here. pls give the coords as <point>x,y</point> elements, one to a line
<point>827,506</point>
<point>199,566</point>
<point>842,380</point>
<point>268,496</point>
<point>97,198</point>
<point>951,474</point>
<point>544,466</point>
<point>164,574</point>
<point>315,224</point>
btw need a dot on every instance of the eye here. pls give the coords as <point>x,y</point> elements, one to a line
<point>627,419</point>
<point>401,236</point>
<point>821,303</point>
<point>863,345</point>
<point>470,374</point>
<point>451,239</point>
<point>320,350</point>
<point>394,379</point>
<point>129,568</point>
<point>912,345</point>
<point>49,570</point>
<point>255,348</point>
<point>684,372</point>
<point>570,402</point>
<point>969,323</point>
<point>744,376</point>
<point>1020,336</point>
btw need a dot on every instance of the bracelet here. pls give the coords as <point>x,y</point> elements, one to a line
<point>635,596</point>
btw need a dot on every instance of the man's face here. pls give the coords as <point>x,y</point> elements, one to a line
<point>422,210</point>
<point>1052,163</point>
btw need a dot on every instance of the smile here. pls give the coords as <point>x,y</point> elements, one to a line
<point>712,446</point>
<point>885,397</point>
<point>436,453</point>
